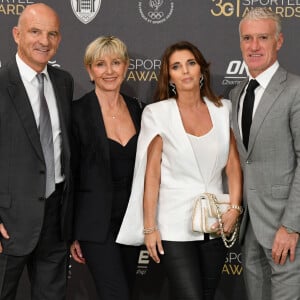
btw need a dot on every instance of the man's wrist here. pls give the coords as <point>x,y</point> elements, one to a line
<point>289,230</point>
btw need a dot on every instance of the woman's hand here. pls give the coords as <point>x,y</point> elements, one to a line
<point>76,252</point>
<point>154,245</point>
<point>229,220</point>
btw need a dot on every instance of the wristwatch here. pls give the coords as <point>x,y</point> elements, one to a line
<point>290,230</point>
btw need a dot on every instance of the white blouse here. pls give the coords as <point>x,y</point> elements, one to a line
<point>205,155</point>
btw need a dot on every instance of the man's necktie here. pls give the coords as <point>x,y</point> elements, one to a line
<point>248,110</point>
<point>46,138</point>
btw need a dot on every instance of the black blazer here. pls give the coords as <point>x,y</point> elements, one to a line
<point>91,165</point>
<point>22,175</point>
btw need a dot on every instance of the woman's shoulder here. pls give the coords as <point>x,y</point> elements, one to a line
<point>134,101</point>
<point>84,105</point>
<point>226,103</point>
<point>83,99</point>
<point>161,105</point>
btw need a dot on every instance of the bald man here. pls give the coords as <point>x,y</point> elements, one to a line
<point>35,189</point>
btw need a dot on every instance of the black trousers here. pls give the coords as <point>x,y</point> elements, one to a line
<point>46,264</point>
<point>112,266</point>
<point>193,268</point>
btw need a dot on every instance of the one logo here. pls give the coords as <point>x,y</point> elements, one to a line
<point>85,10</point>
<point>235,73</point>
<point>156,11</point>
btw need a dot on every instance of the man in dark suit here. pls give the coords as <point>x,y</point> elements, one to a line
<point>35,179</point>
<point>266,123</point>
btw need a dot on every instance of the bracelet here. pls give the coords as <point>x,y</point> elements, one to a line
<point>149,230</point>
<point>239,208</point>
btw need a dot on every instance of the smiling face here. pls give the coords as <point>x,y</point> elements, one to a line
<point>184,71</point>
<point>259,44</point>
<point>108,72</point>
<point>37,35</point>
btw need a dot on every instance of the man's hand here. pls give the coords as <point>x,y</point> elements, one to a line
<point>4,235</point>
<point>284,245</point>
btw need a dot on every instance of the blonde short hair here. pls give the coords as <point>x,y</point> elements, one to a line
<point>105,45</point>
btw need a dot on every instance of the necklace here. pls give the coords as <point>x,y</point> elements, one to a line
<point>111,111</point>
<point>116,114</point>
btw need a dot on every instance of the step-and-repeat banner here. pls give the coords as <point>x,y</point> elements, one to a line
<point>148,27</point>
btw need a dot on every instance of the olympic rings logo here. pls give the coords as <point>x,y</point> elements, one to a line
<point>155,15</point>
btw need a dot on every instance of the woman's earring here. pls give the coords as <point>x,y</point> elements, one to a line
<point>201,81</point>
<point>173,87</point>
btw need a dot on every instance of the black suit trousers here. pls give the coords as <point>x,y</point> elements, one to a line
<point>46,264</point>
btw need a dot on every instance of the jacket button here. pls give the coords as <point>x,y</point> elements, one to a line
<point>249,161</point>
<point>42,198</point>
<point>42,171</point>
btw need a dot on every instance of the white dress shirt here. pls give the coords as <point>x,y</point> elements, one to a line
<point>28,76</point>
<point>263,79</point>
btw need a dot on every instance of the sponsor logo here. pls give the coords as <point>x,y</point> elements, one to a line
<point>13,7</point>
<point>143,263</point>
<point>85,10</point>
<point>238,8</point>
<point>143,70</point>
<point>233,264</point>
<point>156,11</point>
<point>235,73</point>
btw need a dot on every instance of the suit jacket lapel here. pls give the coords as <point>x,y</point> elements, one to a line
<point>59,87</point>
<point>270,95</point>
<point>97,123</point>
<point>135,113</point>
<point>235,113</point>
<point>19,97</point>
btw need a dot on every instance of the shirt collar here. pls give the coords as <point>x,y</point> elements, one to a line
<point>265,77</point>
<point>26,72</point>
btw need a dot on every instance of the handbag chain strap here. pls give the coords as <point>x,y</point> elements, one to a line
<point>228,241</point>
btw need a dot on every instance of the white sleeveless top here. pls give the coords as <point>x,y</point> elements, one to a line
<point>205,149</point>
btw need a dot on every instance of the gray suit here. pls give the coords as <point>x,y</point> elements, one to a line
<point>271,169</point>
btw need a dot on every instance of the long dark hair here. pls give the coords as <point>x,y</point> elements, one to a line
<point>163,90</point>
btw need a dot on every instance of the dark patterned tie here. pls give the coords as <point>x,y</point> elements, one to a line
<point>46,138</point>
<point>248,110</point>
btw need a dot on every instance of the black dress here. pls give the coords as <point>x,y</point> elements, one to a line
<point>122,164</point>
